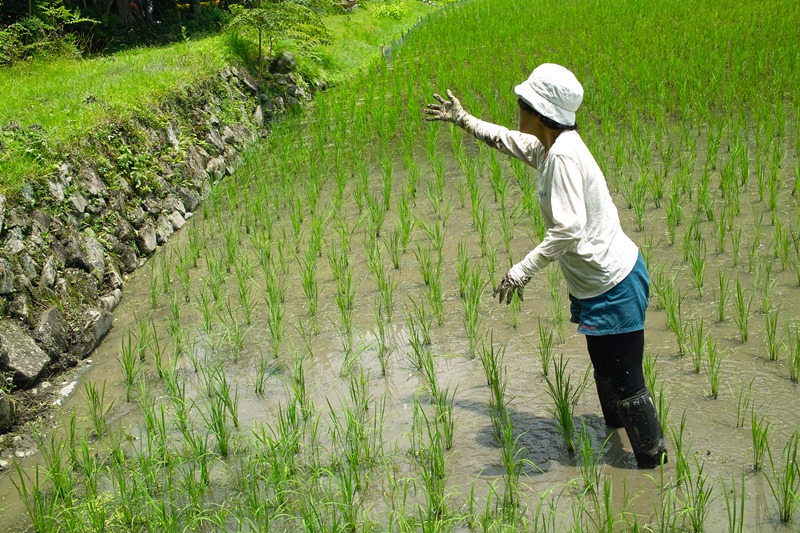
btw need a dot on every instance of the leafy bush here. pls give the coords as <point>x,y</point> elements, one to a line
<point>271,23</point>
<point>392,10</point>
<point>43,35</point>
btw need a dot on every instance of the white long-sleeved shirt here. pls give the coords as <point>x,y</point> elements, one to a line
<point>583,229</point>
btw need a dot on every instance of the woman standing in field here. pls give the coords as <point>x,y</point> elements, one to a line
<point>606,275</point>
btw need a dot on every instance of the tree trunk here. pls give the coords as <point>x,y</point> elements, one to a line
<point>258,68</point>
<point>124,12</point>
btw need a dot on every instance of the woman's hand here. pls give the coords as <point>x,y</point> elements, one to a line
<point>445,110</point>
<point>508,286</point>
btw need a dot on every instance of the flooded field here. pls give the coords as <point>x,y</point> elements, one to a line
<point>318,349</point>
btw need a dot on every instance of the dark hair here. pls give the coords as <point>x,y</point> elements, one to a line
<point>548,122</point>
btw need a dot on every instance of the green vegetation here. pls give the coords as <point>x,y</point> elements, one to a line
<point>328,415</point>
<point>49,108</point>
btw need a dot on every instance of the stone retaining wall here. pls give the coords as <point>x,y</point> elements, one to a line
<point>65,249</point>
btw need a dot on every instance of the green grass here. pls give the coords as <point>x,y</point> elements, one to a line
<point>361,35</point>
<point>49,108</point>
<point>59,103</point>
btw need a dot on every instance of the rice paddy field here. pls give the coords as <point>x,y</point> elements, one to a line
<point>319,350</point>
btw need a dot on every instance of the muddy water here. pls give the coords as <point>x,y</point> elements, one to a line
<point>710,434</point>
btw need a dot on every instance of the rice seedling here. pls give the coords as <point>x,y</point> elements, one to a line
<point>512,469</point>
<point>95,400</point>
<point>482,225</point>
<point>650,371</point>
<point>744,403</point>
<point>130,363</point>
<point>40,507</point>
<point>377,215</point>
<point>425,263</point>
<point>713,364</point>
<point>205,305</point>
<point>734,505</point>
<point>514,309</point>
<point>216,276</point>
<point>59,473</point>
<point>387,286</point>
<point>565,395</point>
<point>506,228</point>
<point>699,346</point>
<point>475,199</point>
<point>742,316</point>
<point>156,350</point>
<point>491,265</point>
<point>215,417</point>
<point>345,296</point>
<point>554,278</point>
<point>698,496</point>
<point>759,430</point>
<point>182,270</point>
<point>588,462</point>
<point>673,305</point>
<point>697,262</point>
<point>785,483</point>
<point>405,220</point>
<point>767,289</point>
<point>682,453</point>
<point>385,349</point>
<point>793,351</point>
<point>639,201</point>
<point>771,334</point>
<point>546,344</point>
<point>722,299</point>
<point>435,296</point>
<point>153,284</point>
<point>462,268</point>
<point>165,269</point>
<point>736,244</point>
<point>280,248</point>
<point>394,245</point>
<point>244,274</point>
<point>412,176</point>
<point>674,212</point>
<point>663,407</point>
<point>196,244</point>
<point>421,358</point>
<point>296,219</point>
<point>233,330</point>
<point>308,281</point>
<point>471,303</point>
<point>434,231</point>
<point>497,380</point>
<point>430,461</point>
<point>264,370</point>
<point>781,245</point>
<point>444,414</point>
<point>299,385</point>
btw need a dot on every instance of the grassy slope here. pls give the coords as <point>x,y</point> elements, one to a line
<point>61,101</point>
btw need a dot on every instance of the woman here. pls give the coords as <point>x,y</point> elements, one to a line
<point>606,275</point>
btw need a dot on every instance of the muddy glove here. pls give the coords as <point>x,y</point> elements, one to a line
<point>446,110</point>
<point>508,286</point>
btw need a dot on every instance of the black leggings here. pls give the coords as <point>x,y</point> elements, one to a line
<point>619,358</point>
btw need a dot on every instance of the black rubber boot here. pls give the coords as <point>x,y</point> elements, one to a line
<point>640,418</point>
<point>609,399</point>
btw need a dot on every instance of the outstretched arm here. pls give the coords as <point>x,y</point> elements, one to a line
<point>526,148</point>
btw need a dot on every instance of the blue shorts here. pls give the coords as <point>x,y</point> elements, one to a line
<point>621,309</point>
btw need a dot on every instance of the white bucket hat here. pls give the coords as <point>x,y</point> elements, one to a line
<point>553,91</point>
